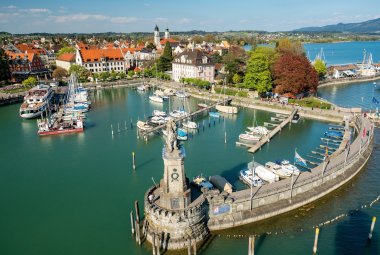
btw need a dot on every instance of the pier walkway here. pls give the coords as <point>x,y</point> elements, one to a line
<point>146,132</point>
<point>254,147</point>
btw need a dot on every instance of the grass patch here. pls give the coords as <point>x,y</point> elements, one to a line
<point>310,102</point>
<point>232,92</point>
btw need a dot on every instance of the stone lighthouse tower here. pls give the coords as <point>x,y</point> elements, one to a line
<point>156,37</point>
<point>172,220</point>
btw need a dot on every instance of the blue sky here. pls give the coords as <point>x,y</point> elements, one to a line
<point>25,16</point>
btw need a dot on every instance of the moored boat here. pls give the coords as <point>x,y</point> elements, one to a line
<point>296,118</point>
<point>159,113</point>
<point>142,125</point>
<point>247,177</point>
<point>277,169</point>
<point>156,99</point>
<point>227,109</point>
<point>178,113</point>
<point>263,172</point>
<point>249,137</point>
<point>46,127</point>
<point>190,124</point>
<point>214,114</point>
<point>289,167</point>
<point>201,182</point>
<point>36,101</point>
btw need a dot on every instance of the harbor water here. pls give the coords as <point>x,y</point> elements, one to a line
<point>72,194</point>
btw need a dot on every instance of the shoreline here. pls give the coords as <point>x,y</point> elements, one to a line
<point>348,81</point>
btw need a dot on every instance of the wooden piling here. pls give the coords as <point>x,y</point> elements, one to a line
<point>154,243</point>
<point>372,228</point>
<point>316,240</point>
<point>138,239</point>
<point>158,245</point>
<point>133,161</point>
<point>189,248</point>
<point>251,245</point>
<point>132,223</point>
<point>137,212</point>
<point>225,137</point>
<point>111,130</point>
<point>195,248</point>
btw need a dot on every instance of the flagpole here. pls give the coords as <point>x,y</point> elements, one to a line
<point>291,184</point>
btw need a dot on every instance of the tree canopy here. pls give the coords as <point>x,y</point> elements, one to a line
<point>294,73</point>
<point>59,73</point>
<point>4,66</point>
<point>285,46</point>
<point>30,81</point>
<point>81,72</point>
<point>258,74</point>
<point>65,50</point>
<point>320,67</point>
<point>164,63</point>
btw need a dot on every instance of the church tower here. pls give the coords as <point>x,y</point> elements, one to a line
<point>156,37</point>
<point>167,34</point>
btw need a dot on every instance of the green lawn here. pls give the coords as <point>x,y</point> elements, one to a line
<point>310,102</point>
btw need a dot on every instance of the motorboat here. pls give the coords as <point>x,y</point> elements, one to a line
<point>201,182</point>
<point>159,113</point>
<point>260,130</point>
<point>289,167</point>
<point>161,94</point>
<point>48,127</point>
<point>190,124</point>
<point>157,120</point>
<point>182,94</point>
<point>247,177</point>
<point>178,113</point>
<point>214,114</point>
<point>277,169</point>
<point>202,105</point>
<point>142,125</point>
<point>296,118</point>
<point>263,172</point>
<point>36,101</point>
<point>156,99</point>
<point>227,109</point>
<point>143,88</point>
<point>249,137</point>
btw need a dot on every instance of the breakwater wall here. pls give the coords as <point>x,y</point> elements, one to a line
<point>340,81</point>
<point>6,99</point>
<point>239,208</point>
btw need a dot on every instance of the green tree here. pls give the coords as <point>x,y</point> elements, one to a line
<point>237,78</point>
<point>121,75</point>
<point>4,66</point>
<point>285,46</point>
<point>234,62</point>
<point>81,72</point>
<point>131,73</point>
<point>104,76</point>
<point>320,67</point>
<point>29,82</point>
<point>66,50</point>
<point>165,61</point>
<point>59,73</point>
<point>216,58</point>
<point>258,74</point>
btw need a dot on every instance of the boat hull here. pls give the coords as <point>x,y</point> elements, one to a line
<point>59,132</point>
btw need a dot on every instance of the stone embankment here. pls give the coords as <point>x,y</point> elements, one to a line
<point>11,98</point>
<point>332,82</point>
<point>286,195</point>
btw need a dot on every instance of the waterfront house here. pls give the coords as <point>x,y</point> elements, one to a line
<point>100,60</point>
<point>342,71</point>
<point>65,60</point>
<point>23,65</point>
<point>193,63</point>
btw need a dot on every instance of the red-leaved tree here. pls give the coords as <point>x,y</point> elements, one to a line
<point>294,74</point>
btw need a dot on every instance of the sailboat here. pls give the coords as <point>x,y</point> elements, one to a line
<point>226,108</point>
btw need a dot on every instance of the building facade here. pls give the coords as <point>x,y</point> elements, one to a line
<point>193,64</point>
<point>101,60</point>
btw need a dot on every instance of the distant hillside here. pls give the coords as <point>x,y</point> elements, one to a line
<point>370,26</point>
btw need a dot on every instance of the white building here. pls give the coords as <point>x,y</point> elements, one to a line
<point>101,60</point>
<point>193,64</point>
<point>65,60</point>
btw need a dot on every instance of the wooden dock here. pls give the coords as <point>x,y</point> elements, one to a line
<point>159,127</point>
<point>272,133</point>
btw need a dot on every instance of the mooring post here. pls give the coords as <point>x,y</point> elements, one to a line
<point>138,240</point>
<point>131,124</point>
<point>158,245</point>
<point>132,223</point>
<point>372,228</point>
<point>225,137</point>
<point>111,130</point>
<point>137,212</point>
<point>154,243</point>
<point>316,240</point>
<point>133,161</point>
<point>118,127</point>
<point>249,246</point>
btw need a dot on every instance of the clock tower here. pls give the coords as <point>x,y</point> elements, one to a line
<point>175,191</point>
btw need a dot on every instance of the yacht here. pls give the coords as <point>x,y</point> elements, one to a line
<point>246,177</point>
<point>190,124</point>
<point>159,113</point>
<point>289,167</point>
<point>277,169</point>
<point>178,113</point>
<point>36,101</point>
<point>249,137</point>
<point>157,99</point>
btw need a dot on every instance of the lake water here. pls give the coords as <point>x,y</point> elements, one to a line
<point>342,52</point>
<point>72,194</point>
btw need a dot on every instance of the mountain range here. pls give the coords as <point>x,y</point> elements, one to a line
<point>369,26</point>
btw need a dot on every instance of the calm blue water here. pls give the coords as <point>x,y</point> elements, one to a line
<point>73,194</point>
<point>352,95</point>
<point>342,52</point>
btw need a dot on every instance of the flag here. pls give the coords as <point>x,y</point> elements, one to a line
<point>299,160</point>
<point>375,101</point>
<point>364,132</point>
<point>326,153</point>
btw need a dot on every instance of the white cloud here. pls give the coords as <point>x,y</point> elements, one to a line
<point>9,7</point>
<point>6,17</point>
<point>123,20</point>
<point>184,21</point>
<point>160,19</point>
<point>35,10</point>
<point>77,17</point>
